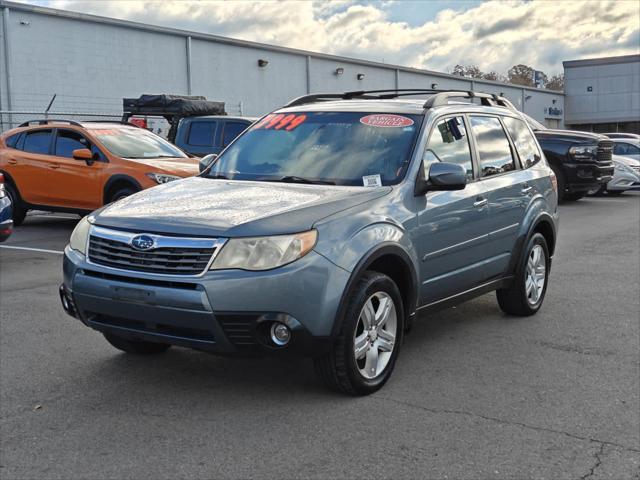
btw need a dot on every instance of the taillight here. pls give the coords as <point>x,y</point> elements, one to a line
<point>1,185</point>
<point>554,181</point>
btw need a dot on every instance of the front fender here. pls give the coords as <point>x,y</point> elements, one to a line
<point>348,252</point>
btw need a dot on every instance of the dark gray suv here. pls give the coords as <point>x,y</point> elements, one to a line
<point>323,230</point>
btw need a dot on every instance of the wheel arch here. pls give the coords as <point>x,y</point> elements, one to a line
<point>392,260</point>
<point>116,182</point>
<point>542,223</point>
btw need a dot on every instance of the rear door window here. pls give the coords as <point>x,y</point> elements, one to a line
<point>523,140</point>
<point>202,133</point>
<point>231,131</point>
<point>67,141</point>
<point>493,146</point>
<point>449,143</point>
<point>37,141</point>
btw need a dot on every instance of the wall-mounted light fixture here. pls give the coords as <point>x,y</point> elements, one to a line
<point>360,76</point>
<point>589,89</point>
<point>434,86</point>
<point>554,101</point>
<point>262,63</point>
<point>339,71</point>
<point>528,97</point>
<point>25,23</point>
<point>502,94</point>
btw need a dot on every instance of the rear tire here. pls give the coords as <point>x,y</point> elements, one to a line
<point>136,346</point>
<point>19,211</point>
<point>519,299</point>
<point>121,193</point>
<point>369,339</point>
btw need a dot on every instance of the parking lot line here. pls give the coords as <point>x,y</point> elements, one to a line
<point>44,250</point>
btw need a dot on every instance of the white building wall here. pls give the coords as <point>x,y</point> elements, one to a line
<point>91,63</point>
<point>603,91</point>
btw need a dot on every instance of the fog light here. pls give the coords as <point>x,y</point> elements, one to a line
<point>280,334</point>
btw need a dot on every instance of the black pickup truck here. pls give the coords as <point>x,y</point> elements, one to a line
<point>581,160</point>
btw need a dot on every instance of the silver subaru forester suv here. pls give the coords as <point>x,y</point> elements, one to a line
<point>324,230</point>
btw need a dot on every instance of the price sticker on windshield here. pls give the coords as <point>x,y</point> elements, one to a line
<point>386,120</point>
<point>280,121</point>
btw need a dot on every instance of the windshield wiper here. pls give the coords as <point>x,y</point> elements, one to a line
<point>296,179</point>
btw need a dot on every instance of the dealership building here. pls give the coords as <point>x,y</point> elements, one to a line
<point>603,94</point>
<point>90,63</point>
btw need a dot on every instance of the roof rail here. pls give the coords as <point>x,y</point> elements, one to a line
<point>47,121</point>
<point>487,99</point>
<point>438,98</point>
<point>119,122</point>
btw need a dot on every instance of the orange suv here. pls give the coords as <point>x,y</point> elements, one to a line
<point>76,167</point>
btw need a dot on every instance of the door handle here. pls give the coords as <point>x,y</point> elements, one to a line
<point>12,161</point>
<point>54,165</point>
<point>480,202</point>
<point>526,188</point>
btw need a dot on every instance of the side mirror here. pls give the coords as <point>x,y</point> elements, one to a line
<point>83,154</point>
<point>441,176</point>
<point>206,161</point>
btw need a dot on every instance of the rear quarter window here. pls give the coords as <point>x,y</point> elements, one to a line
<point>12,141</point>
<point>523,140</point>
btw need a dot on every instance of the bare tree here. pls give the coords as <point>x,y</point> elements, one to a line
<point>556,82</point>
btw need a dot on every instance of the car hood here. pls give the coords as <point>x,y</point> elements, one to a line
<point>183,167</point>
<point>571,135</point>
<point>228,208</point>
<point>630,162</point>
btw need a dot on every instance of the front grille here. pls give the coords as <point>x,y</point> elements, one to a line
<point>605,150</point>
<point>163,260</point>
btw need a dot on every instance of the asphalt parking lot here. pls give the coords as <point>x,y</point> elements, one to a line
<point>475,394</point>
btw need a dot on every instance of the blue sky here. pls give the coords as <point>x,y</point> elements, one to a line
<point>436,35</point>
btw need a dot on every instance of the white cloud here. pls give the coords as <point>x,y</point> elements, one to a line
<point>494,35</point>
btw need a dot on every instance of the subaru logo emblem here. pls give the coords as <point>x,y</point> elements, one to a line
<point>143,242</point>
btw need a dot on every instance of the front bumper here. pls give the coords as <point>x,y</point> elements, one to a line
<point>226,311</point>
<point>623,180</point>
<point>584,176</point>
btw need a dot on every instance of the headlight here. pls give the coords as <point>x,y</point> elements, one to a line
<point>584,152</point>
<point>264,253</point>
<point>162,177</point>
<point>79,236</point>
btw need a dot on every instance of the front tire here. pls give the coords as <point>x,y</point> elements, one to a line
<point>369,339</point>
<point>574,196</point>
<point>526,294</point>
<point>122,193</point>
<point>136,346</point>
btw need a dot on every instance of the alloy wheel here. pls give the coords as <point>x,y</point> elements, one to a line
<point>375,335</point>
<point>536,274</point>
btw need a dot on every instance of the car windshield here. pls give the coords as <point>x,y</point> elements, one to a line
<point>131,142</point>
<point>341,148</point>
